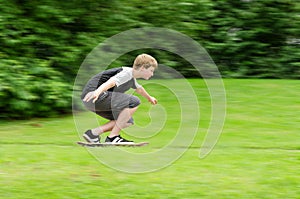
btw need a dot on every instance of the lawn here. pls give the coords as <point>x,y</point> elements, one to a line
<point>256,156</point>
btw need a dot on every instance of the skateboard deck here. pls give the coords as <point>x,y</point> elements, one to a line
<point>87,144</point>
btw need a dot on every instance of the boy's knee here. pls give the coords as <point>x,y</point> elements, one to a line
<point>134,102</point>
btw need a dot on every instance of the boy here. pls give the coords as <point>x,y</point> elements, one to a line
<point>104,94</point>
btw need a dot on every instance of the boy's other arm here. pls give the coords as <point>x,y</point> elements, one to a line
<point>146,95</point>
<point>95,94</point>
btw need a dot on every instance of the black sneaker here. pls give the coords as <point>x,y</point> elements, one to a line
<point>117,139</point>
<point>90,137</point>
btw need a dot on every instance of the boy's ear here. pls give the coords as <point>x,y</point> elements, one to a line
<point>142,67</point>
<point>147,65</point>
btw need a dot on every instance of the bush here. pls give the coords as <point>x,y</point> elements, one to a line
<point>32,89</point>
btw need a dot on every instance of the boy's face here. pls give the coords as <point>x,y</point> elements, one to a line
<point>147,73</point>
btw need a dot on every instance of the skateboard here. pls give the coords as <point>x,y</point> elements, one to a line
<point>108,144</point>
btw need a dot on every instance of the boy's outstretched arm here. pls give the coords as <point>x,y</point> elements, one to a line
<point>146,95</point>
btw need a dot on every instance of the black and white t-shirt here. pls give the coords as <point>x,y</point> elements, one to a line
<point>123,77</point>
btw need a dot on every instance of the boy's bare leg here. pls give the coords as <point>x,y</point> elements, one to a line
<point>104,128</point>
<point>122,121</point>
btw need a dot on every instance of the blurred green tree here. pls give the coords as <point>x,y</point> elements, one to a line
<point>43,43</point>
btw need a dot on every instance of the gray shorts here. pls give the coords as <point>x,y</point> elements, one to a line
<point>110,104</point>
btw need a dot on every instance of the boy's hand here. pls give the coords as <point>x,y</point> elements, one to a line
<point>152,100</point>
<point>91,95</point>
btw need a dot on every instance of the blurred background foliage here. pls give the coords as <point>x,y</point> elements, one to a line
<point>43,43</point>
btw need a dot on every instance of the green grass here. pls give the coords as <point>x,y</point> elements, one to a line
<point>257,155</point>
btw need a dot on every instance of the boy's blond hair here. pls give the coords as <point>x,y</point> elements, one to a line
<point>144,60</point>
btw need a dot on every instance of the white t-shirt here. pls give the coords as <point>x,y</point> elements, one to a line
<point>124,76</point>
